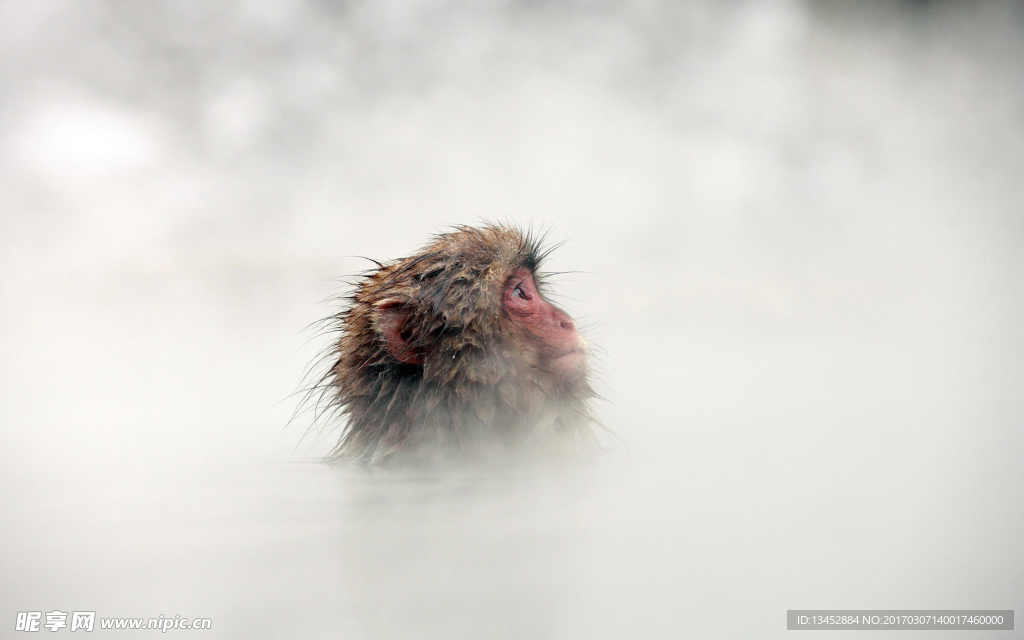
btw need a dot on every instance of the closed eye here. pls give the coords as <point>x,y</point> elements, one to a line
<point>519,293</point>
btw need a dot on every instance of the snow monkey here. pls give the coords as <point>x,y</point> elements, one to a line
<point>455,352</point>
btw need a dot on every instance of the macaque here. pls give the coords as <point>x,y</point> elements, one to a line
<point>455,352</point>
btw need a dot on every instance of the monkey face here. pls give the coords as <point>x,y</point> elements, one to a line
<point>540,337</point>
<point>457,344</point>
<point>558,349</point>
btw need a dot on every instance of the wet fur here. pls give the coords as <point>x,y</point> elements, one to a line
<point>482,387</point>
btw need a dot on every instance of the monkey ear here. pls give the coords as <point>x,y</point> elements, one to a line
<point>393,319</point>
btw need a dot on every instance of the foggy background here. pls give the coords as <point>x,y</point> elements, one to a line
<point>794,232</point>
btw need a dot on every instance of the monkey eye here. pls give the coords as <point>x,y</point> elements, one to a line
<point>520,296</point>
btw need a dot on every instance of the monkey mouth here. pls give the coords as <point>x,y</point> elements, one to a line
<point>574,351</point>
<point>571,359</point>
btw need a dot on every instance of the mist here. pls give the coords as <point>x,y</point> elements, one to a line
<point>793,233</point>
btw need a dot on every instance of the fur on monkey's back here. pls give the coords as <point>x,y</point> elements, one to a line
<point>472,395</point>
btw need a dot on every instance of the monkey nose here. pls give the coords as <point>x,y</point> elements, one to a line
<point>561,320</point>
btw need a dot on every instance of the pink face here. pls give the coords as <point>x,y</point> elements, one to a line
<point>564,350</point>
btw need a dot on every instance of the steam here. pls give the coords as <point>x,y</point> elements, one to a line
<point>794,241</point>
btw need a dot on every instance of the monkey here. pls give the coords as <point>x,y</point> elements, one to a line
<point>456,353</point>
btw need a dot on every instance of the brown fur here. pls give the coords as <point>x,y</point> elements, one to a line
<point>474,380</point>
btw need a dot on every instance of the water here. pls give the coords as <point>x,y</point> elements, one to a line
<point>307,550</point>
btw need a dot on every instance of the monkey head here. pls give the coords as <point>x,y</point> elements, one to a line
<point>456,349</point>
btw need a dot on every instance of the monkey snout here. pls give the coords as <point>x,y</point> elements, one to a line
<point>560,322</point>
<point>570,345</point>
<point>572,362</point>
